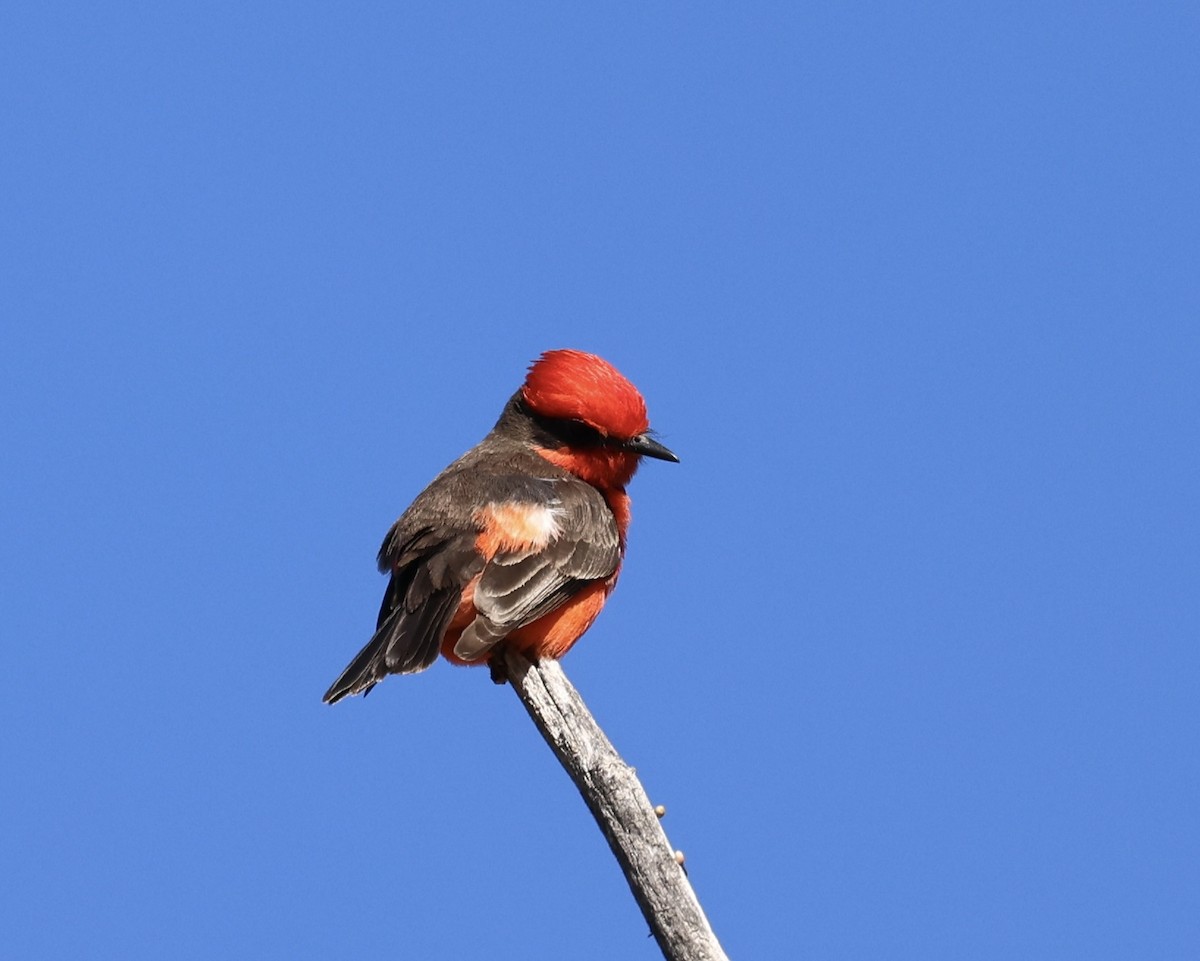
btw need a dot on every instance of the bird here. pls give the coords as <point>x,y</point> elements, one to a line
<point>520,541</point>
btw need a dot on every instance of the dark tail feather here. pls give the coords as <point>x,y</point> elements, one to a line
<point>417,608</point>
<point>369,666</point>
<point>364,672</point>
<point>404,644</point>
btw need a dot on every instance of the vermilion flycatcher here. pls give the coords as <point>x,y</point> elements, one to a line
<point>520,540</point>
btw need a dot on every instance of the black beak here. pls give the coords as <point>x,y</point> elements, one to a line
<point>647,446</point>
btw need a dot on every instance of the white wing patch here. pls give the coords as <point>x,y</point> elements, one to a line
<point>519,527</point>
<point>514,531</point>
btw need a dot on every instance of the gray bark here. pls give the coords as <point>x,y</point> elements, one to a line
<point>619,804</point>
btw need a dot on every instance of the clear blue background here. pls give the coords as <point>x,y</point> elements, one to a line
<point>908,642</point>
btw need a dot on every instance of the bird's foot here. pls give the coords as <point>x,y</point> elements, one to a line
<point>498,666</point>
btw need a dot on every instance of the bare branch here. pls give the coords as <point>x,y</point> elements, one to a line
<point>619,804</point>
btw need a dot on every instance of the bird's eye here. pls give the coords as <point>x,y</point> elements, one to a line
<point>578,434</point>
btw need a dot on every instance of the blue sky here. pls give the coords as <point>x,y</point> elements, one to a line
<point>907,643</point>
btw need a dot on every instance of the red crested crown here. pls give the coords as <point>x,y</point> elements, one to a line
<point>575,385</point>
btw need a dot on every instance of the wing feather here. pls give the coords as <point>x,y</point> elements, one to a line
<point>418,605</point>
<point>517,588</point>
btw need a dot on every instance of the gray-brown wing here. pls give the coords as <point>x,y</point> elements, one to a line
<point>516,588</point>
<point>422,595</point>
<point>431,556</point>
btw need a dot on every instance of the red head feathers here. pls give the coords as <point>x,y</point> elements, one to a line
<point>572,385</point>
